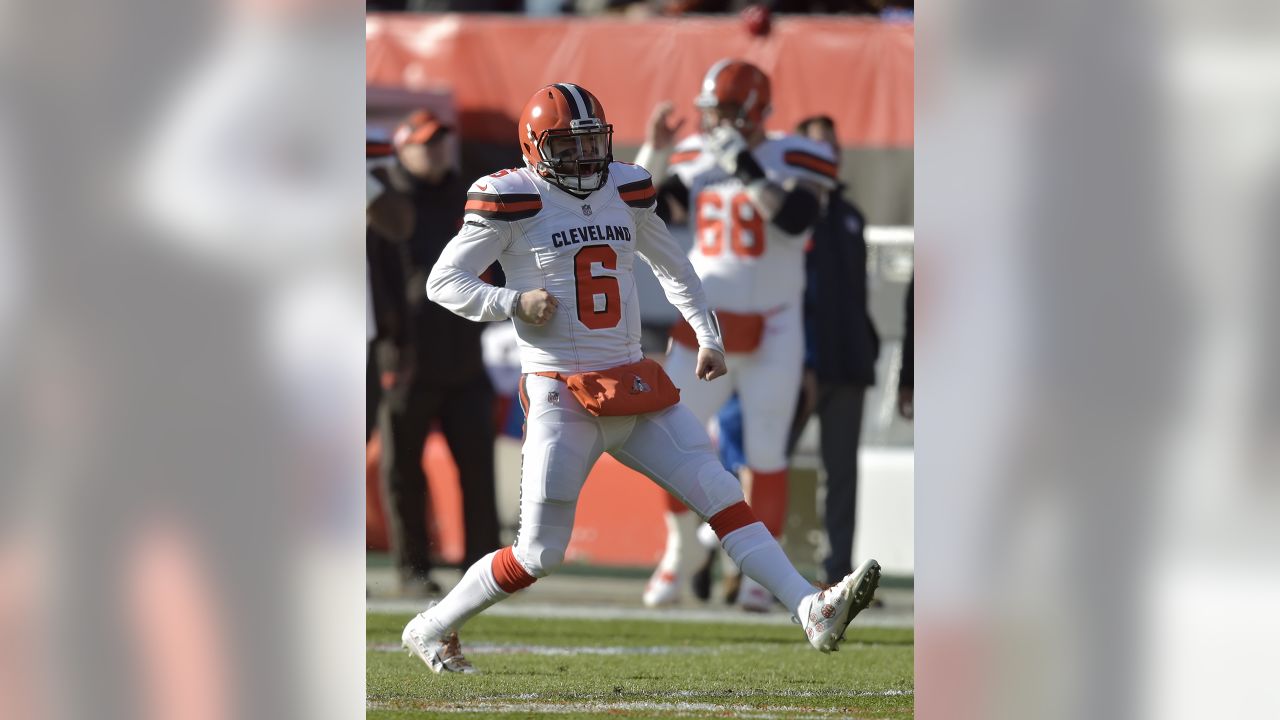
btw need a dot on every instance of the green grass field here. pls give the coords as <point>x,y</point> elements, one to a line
<point>556,668</point>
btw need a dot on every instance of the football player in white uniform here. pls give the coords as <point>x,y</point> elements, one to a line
<point>568,228</point>
<point>750,199</point>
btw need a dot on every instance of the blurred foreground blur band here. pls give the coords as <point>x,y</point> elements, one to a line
<point>1096,326</point>
<point>1088,529</point>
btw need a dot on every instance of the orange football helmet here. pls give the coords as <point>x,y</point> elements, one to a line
<point>737,90</point>
<point>564,137</point>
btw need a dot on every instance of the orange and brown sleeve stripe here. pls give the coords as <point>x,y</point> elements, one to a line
<point>810,162</point>
<point>640,194</point>
<point>503,207</point>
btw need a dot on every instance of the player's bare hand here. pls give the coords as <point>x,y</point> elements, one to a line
<point>537,306</point>
<point>907,402</point>
<point>662,132</point>
<point>711,364</point>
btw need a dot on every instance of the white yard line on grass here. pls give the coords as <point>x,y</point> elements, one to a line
<point>872,618</point>
<point>505,649</point>
<point>787,693</point>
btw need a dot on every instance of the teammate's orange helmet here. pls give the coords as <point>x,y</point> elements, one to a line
<point>739,90</point>
<point>565,139</point>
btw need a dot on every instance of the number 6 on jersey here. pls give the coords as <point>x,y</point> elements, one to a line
<point>590,287</point>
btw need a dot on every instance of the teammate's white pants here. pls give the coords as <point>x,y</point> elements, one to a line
<point>767,382</point>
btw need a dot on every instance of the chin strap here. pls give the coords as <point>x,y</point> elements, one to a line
<point>563,184</point>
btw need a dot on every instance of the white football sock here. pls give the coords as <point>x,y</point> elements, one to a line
<point>476,591</point>
<point>730,567</point>
<point>762,559</point>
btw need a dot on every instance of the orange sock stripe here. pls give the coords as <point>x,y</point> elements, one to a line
<point>674,505</point>
<point>737,515</point>
<point>769,499</point>
<point>511,576</point>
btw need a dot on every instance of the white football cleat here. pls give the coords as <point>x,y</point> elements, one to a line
<point>754,597</point>
<point>826,614</point>
<point>443,654</point>
<point>663,589</point>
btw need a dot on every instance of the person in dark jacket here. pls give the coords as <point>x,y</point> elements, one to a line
<point>439,374</point>
<point>388,222</point>
<point>840,353</point>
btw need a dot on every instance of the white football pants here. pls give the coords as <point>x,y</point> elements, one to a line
<point>562,443</point>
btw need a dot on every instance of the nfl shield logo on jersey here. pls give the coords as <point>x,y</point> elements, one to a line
<point>638,385</point>
<point>586,209</point>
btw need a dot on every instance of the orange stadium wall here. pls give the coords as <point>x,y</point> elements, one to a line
<point>859,71</point>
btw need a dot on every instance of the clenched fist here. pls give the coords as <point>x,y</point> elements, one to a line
<point>536,306</point>
<point>711,364</point>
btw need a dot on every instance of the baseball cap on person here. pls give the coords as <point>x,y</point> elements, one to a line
<point>420,127</point>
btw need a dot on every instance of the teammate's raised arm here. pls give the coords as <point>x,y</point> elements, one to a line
<point>659,140</point>
<point>655,155</point>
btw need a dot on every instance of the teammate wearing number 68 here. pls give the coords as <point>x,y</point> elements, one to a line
<point>568,228</point>
<point>750,199</point>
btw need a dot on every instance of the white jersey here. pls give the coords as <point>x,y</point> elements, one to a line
<point>746,263</point>
<point>582,252</point>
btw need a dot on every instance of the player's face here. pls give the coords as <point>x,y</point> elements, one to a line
<point>588,150</point>
<point>724,114</point>
<point>428,160</point>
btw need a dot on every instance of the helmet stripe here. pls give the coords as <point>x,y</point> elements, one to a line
<point>713,74</point>
<point>707,94</point>
<point>574,107</point>
<point>577,97</point>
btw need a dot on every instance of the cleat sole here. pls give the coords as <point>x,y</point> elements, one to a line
<point>859,597</point>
